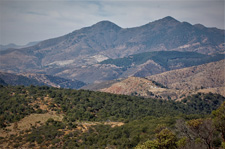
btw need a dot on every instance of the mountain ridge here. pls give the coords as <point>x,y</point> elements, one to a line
<point>90,45</point>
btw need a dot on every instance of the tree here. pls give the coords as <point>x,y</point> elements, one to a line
<point>203,129</point>
<point>199,132</point>
<point>15,126</point>
<point>164,139</point>
<point>219,120</point>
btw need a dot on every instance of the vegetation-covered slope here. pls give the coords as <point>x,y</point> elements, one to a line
<point>91,119</point>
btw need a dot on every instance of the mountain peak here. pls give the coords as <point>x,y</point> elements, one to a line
<point>200,26</point>
<point>106,25</point>
<point>164,22</point>
<point>105,22</point>
<point>169,19</point>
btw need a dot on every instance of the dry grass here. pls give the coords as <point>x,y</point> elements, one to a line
<point>217,90</point>
<point>83,126</point>
<point>29,121</point>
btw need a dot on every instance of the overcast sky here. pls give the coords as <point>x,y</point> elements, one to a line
<point>35,20</point>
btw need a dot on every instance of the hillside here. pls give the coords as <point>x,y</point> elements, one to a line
<point>82,49</point>
<point>141,87</point>
<point>13,79</point>
<point>46,117</point>
<point>28,79</point>
<point>175,84</point>
<point>209,75</point>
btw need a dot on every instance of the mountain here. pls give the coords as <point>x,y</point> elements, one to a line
<point>67,55</point>
<point>14,46</point>
<point>175,84</point>
<point>27,79</point>
<point>9,46</point>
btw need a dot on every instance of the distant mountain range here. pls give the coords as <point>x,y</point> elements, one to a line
<point>105,52</point>
<point>77,55</point>
<point>14,46</point>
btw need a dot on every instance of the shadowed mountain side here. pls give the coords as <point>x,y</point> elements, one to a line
<point>27,79</point>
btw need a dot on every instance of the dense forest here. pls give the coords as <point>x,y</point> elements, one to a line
<point>102,120</point>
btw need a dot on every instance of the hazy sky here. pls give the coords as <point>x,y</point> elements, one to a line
<point>35,20</point>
